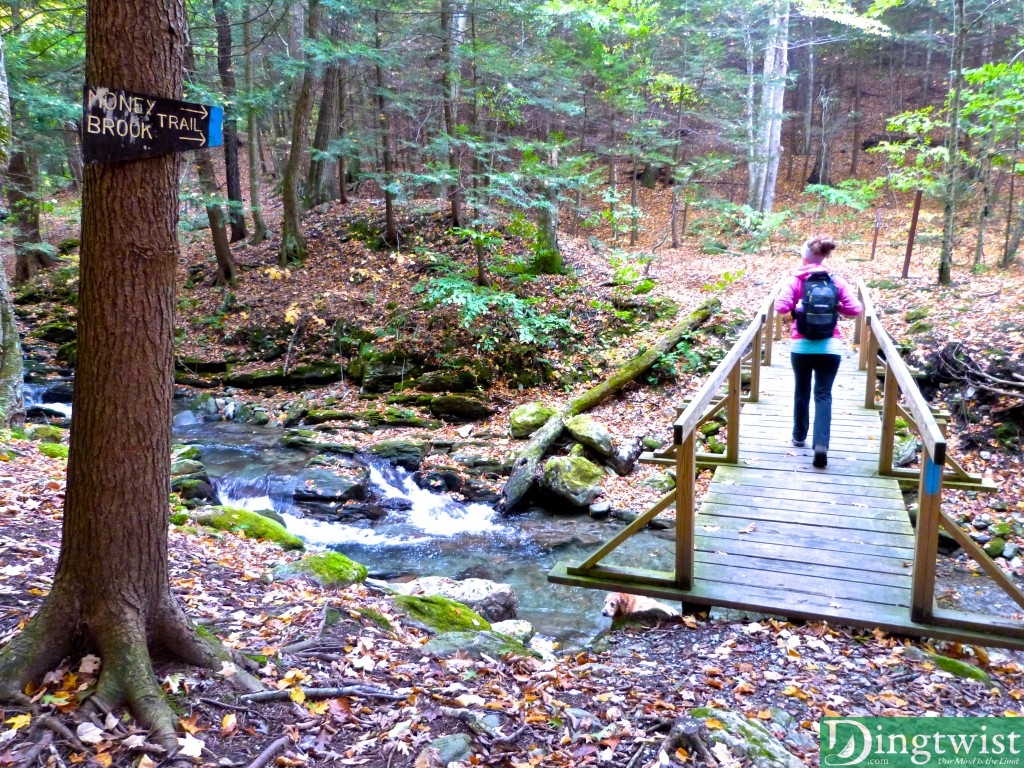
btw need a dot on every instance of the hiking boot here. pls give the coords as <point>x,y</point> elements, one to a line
<point>820,457</point>
<point>798,443</point>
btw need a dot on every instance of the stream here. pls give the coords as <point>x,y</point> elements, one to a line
<point>422,533</point>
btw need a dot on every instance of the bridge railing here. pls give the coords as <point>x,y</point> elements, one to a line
<point>902,398</point>
<point>751,350</point>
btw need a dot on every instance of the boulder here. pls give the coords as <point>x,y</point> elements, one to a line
<point>573,478</point>
<point>493,601</point>
<point>406,452</point>
<point>46,433</point>
<point>455,748</point>
<point>57,332</point>
<point>193,487</point>
<point>435,613</point>
<point>307,439</point>
<point>460,408</point>
<point>439,481</point>
<point>328,569</point>
<point>904,450</point>
<point>528,418</point>
<point>331,485</point>
<point>187,467</point>
<point>249,524</point>
<point>626,456</point>
<point>591,433</point>
<point>475,645</point>
<point>747,739</point>
<point>382,370</point>
<point>517,629</point>
<point>462,379</point>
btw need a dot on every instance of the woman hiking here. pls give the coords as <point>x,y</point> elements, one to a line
<point>816,298</point>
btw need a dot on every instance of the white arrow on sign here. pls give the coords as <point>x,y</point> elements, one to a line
<point>201,111</point>
<point>201,138</point>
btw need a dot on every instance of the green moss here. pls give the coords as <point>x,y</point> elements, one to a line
<point>329,569</point>
<point>916,314</point>
<point>377,618</point>
<point>46,433</point>
<point>179,518</point>
<point>53,450</point>
<point>440,613</point>
<point>184,452</point>
<point>250,524</point>
<point>920,326</point>
<point>960,668</point>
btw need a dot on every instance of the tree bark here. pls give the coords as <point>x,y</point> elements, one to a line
<point>524,470</point>
<point>227,271</point>
<point>227,80</point>
<point>390,223</point>
<point>343,155</point>
<point>293,242</point>
<point>12,403</point>
<point>449,57</point>
<point>322,184</point>
<point>259,226</point>
<point>111,594</point>
<point>23,199</point>
<point>73,149</point>
<point>960,29</point>
<point>767,145</point>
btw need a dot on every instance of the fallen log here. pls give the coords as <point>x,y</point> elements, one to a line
<point>524,469</point>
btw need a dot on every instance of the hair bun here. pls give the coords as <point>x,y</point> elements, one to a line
<point>821,245</point>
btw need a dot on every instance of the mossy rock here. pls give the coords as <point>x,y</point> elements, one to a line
<point>462,379</point>
<point>406,452</point>
<point>476,645</point>
<point>46,433</point>
<point>917,314</point>
<point>460,408</point>
<point>328,569</point>
<point>68,352</point>
<point>995,547</point>
<point>573,478</point>
<point>307,439</point>
<point>952,666</point>
<point>184,452</point>
<point>251,524</point>
<point>179,518</point>
<point>54,450</point>
<point>439,614</point>
<point>187,467</point>
<point>590,432</point>
<point>57,332</point>
<point>528,418</point>
<point>275,377</point>
<point>747,738</point>
<point>376,617</point>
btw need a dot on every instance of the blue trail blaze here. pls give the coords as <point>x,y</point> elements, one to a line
<point>216,136</point>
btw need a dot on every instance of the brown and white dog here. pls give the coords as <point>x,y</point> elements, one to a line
<point>621,605</point>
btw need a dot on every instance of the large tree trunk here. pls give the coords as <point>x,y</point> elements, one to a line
<point>293,242</point>
<point>450,38</point>
<point>390,222</point>
<point>73,149</point>
<point>524,470</point>
<point>111,594</point>
<point>960,30</point>
<point>322,183</point>
<point>12,404</point>
<point>259,226</point>
<point>23,198</point>
<point>767,150</point>
<point>227,80</point>
<point>227,271</point>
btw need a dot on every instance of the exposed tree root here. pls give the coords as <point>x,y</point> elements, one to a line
<point>123,643</point>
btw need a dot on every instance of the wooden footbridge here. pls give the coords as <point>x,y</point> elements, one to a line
<point>774,535</point>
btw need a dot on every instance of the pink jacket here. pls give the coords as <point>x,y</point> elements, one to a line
<point>793,290</point>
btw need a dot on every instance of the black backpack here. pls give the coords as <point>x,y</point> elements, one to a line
<point>818,317</point>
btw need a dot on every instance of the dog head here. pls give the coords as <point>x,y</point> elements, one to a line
<point>612,605</point>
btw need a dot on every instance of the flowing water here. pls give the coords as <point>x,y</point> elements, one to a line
<point>423,533</point>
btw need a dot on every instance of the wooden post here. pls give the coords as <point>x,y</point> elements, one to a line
<point>878,226</point>
<point>913,233</point>
<point>768,331</point>
<point>926,539</point>
<point>755,366</point>
<point>858,328</point>
<point>889,401</point>
<point>686,482</point>
<point>870,350</point>
<point>732,411</point>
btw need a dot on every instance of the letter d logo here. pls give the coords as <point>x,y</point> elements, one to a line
<point>845,755</point>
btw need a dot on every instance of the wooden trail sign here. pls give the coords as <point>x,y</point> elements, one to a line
<point>121,125</point>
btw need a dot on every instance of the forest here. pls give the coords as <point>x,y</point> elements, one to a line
<point>329,330</point>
